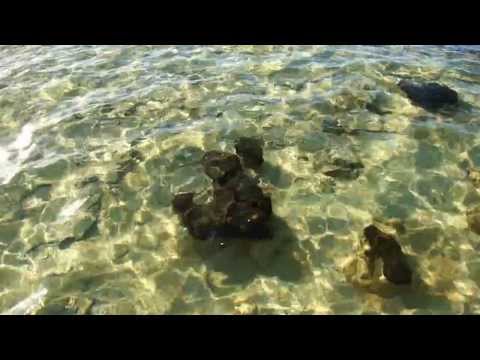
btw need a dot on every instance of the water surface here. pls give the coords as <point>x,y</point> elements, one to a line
<point>94,140</point>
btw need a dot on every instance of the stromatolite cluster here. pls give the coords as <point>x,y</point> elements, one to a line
<point>239,207</point>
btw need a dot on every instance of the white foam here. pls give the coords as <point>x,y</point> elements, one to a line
<point>28,305</point>
<point>69,210</point>
<point>23,147</point>
<point>24,139</point>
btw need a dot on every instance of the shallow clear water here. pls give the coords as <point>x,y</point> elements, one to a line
<point>94,140</point>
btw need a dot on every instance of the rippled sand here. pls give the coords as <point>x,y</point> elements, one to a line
<point>94,140</point>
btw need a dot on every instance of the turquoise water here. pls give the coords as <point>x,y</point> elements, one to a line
<point>95,140</point>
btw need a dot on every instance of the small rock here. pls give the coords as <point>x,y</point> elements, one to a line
<point>333,126</point>
<point>106,108</point>
<point>66,243</point>
<point>342,173</point>
<point>474,176</point>
<point>119,252</point>
<point>348,164</point>
<point>88,180</point>
<point>374,108</point>
<point>131,110</point>
<point>343,169</point>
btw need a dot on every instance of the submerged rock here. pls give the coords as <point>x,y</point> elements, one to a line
<point>250,211</point>
<point>333,126</point>
<point>243,219</point>
<point>250,150</point>
<point>128,163</point>
<point>201,222</point>
<point>397,271</point>
<point>230,214</point>
<point>474,176</point>
<point>382,103</point>
<point>343,169</point>
<point>386,247</point>
<point>473,219</point>
<point>222,199</point>
<point>239,208</point>
<point>338,161</point>
<point>430,96</point>
<point>182,202</point>
<point>89,180</point>
<point>220,166</point>
<point>199,219</point>
<point>376,109</point>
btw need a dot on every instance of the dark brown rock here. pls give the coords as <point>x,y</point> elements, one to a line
<point>473,219</point>
<point>342,173</point>
<point>343,168</point>
<point>374,108</point>
<point>222,199</point>
<point>221,166</point>
<point>333,126</point>
<point>201,222</point>
<point>242,215</point>
<point>182,202</point>
<point>430,96</point>
<point>239,208</point>
<point>386,247</point>
<point>348,164</point>
<point>246,189</point>
<point>250,150</point>
<point>396,270</point>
